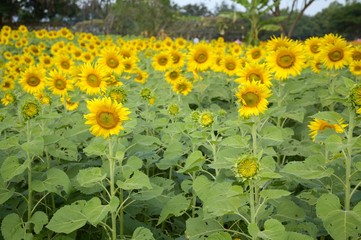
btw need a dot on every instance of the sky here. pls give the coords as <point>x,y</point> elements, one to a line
<point>315,7</point>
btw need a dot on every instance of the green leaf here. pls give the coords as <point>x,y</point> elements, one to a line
<point>349,83</point>
<point>171,155</point>
<point>273,229</point>
<point>334,143</point>
<point>142,233</point>
<point>97,147</point>
<point>339,224</point>
<point>90,177</point>
<point>307,169</point>
<point>272,135</point>
<point>193,163</point>
<point>39,219</point>
<point>330,117</point>
<point>274,193</point>
<point>57,181</point>
<point>146,140</point>
<point>198,228</point>
<point>133,163</point>
<point>236,141</point>
<point>11,168</point>
<point>219,236</point>
<point>94,211</point>
<point>176,206</point>
<point>64,149</point>
<point>34,147</point>
<point>297,236</point>
<point>10,142</point>
<point>270,27</point>
<point>68,218</point>
<point>12,227</point>
<point>139,180</point>
<point>5,193</point>
<point>114,203</point>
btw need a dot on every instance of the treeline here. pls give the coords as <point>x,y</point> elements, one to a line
<point>150,17</point>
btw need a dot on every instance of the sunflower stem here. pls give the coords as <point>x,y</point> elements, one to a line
<point>112,188</point>
<point>254,136</point>
<point>252,202</point>
<point>30,190</point>
<point>348,160</point>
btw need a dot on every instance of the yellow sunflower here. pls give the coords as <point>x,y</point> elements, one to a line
<point>46,60</point>
<point>317,125</point>
<point>182,86</point>
<point>276,42</point>
<point>337,55</point>
<point>246,167</point>
<point>216,64</point>
<point>200,57</point>
<point>7,84</point>
<point>106,117</point>
<point>316,65</point>
<point>69,104</point>
<point>177,57</point>
<point>140,76</point>
<point>129,64</point>
<point>162,61</point>
<point>286,61</point>
<point>92,79</point>
<point>33,79</point>
<point>355,68</point>
<point>8,99</point>
<point>255,53</point>
<point>253,98</point>
<point>110,59</point>
<point>356,53</point>
<point>312,46</point>
<point>230,64</point>
<point>64,62</point>
<point>256,72</point>
<point>173,76</point>
<point>58,83</point>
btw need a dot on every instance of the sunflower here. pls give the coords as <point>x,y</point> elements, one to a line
<point>33,79</point>
<point>312,46</point>
<point>182,86</point>
<point>317,125</point>
<point>105,117</point>
<point>173,76</point>
<point>206,119</point>
<point>180,42</point>
<point>246,167</point>
<point>256,72</point>
<point>58,83</point>
<point>276,42</point>
<point>46,61</point>
<point>162,61</point>
<point>337,55</point>
<point>286,61</point>
<point>110,59</point>
<point>216,64</point>
<point>7,84</point>
<point>92,79</point>
<point>316,65</point>
<point>140,76</point>
<point>253,98</point>
<point>129,64</point>
<point>356,95</point>
<point>356,53</point>
<point>178,58</point>
<point>355,68</point>
<point>331,38</point>
<point>69,104</point>
<point>173,109</point>
<point>8,99</point>
<point>118,94</point>
<point>200,57</point>
<point>255,53</point>
<point>64,62</point>
<point>230,64</point>
<point>30,109</point>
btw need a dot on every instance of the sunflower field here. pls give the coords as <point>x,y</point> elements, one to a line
<point>110,137</point>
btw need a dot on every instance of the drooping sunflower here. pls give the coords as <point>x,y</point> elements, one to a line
<point>162,61</point>
<point>33,79</point>
<point>106,117</point>
<point>58,83</point>
<point>337,55</point>
<point>230,64</point>
<point>355,95</point>
<point>286,61</point>
<point>200,57</point>
<point>92,79</point>
<point>182,86</point>
<point>110,59</point>
<point>253,98</point>
<point>355,68</point>
<point>317,125</point>
<point>256,72</point>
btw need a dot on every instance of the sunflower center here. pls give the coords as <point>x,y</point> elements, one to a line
<point>93,80</point>
<point>173,75</point>
<point>176,59</point>
<point>335,55</point>
<point>182,87</point>
<point>314,48</point>
<point>112,62</point>
<point>230,65</point>
<point>33,81</point>
<point>65,65</point>
<point>6,85</point>
<point>324,126</point>
<point>127,66</point>
<point>107,120</point>
<point>285,61</point>
<point>357,68</point>
<point>318,66</point>
<point>256,54</point>
<point>201,57</point>
<point>254,77</point>
<point>163,61</point>
<point>60,84</point>
<point>356,56</point>
<point>251,99</point>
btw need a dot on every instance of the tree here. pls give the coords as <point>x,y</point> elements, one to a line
<point>197,10</point>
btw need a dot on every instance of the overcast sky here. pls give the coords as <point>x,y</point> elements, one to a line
<point>315,7</point>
